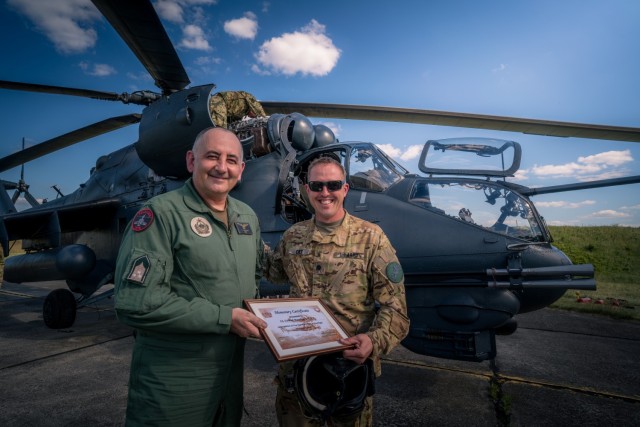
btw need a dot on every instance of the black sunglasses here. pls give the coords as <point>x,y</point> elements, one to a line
<point>316,186</point>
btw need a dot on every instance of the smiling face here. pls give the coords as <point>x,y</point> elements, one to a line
<point>215,164</point>
<point>328,205</point>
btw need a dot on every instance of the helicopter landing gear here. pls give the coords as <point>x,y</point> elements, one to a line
<point>59,309</point>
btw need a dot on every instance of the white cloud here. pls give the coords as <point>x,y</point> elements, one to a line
<point>243,28</point>
<point>170,10</point>
<point>409,153</point>
<point>174,10</point>
<point>598,166</point>
<point>564,204</point>
<point>608,213</point>
<point>207,60</point>
<point>390,150</point>
<point>500,68</point>
<point>98,70</point>
<point>67,23</point>
<point>608,158</point>
<point>308,52</point>
<point>521,175</point>
<point>193,38</point>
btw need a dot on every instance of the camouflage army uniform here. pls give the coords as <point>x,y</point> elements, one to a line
<point>349,269</point>
<point>225,107</point>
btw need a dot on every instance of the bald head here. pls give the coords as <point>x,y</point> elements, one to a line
<point>214,133</point>
<point>216,164</point>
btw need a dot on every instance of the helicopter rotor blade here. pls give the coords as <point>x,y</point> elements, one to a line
<point>139,26</point>
<point>582,185</point>
<point>139,98</point>
<point>30,199</point>
<point>60,90</point>
<point>445,118</point>
<point>66,140</point>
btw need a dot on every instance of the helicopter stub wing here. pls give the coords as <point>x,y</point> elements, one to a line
<point>66,140</point>
<point>139,26</point>
<point>446,118</point>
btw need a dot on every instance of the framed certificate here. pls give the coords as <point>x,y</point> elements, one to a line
<point>298,327</point>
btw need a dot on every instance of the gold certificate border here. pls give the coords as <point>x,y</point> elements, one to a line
<point>298,327</point>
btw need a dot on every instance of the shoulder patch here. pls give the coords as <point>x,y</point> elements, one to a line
<point>139,269</point>
<point>394,272</point>
<point>142,220</point>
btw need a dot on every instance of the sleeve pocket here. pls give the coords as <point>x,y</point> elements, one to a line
<point>141,284</point>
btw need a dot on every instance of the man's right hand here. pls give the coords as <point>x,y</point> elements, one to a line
<point>246,324</point>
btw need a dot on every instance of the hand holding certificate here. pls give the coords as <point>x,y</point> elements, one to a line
<point>298,327</point>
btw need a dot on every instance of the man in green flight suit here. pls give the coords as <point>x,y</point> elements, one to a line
<point>187,260</point>
<point>350,265</point>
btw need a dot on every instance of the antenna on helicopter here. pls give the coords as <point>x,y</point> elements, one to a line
<point>57,189</point>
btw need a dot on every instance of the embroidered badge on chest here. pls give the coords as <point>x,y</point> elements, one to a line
<point>243,228</point>
<point>201,227</point>
<point>142,220</point>
<point>139,269</point>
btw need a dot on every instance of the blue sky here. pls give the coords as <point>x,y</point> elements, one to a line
<point>570,60</point>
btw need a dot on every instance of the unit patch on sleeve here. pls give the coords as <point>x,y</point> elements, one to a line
<point>142,220</point>
<point>139,269</point>
<point>394,272</point>
<point>201,226</point>
<point>243,228</point>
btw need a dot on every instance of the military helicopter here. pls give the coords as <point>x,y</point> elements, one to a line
<point>474,249</point>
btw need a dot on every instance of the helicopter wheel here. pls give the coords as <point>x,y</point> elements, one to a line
<point>59,309</point>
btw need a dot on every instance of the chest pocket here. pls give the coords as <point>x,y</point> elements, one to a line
<point>349,273</point>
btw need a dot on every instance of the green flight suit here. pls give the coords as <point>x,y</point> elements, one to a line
<point>179,274</point>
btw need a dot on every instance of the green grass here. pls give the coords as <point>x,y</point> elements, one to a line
<point>615,254</point>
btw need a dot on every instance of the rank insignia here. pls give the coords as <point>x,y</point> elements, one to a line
<point>201,227</point>
<point>139,269</point>
<point>243,228</point>
<point>394,272</point>
<point>142,220</point>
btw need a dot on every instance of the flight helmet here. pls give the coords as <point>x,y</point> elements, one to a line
<point>298,130</point>
<point>329,385</point>
<point>324,136</point>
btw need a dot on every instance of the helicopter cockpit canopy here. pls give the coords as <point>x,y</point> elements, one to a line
<point>490,205</point>
<point>471,156</point>
<point>370,169</point>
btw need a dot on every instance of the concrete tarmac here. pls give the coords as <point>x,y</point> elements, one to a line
<point>558,369</point>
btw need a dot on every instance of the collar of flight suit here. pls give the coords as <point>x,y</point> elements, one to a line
<point>194,202</point>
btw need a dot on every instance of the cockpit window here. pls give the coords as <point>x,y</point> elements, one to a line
<point>483,204</point>
<point>369,170</point>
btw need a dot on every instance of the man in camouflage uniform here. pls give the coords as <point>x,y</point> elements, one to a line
<point>226,107</point>
<point>350,264</point>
